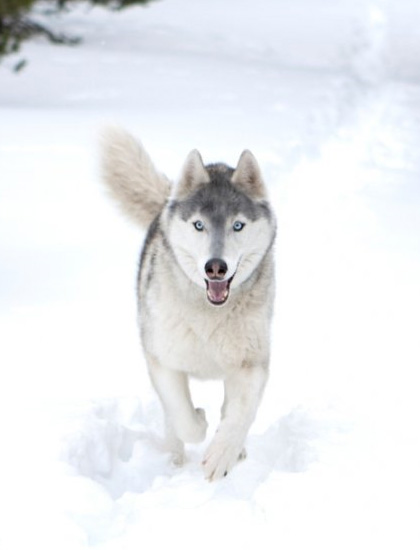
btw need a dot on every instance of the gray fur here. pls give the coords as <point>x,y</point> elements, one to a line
<point>220,198</point>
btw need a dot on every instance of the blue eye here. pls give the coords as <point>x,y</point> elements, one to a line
<point>199,225</point>
<point>238,226</point>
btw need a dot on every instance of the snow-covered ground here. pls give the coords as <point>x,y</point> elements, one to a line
<point>327,96</point>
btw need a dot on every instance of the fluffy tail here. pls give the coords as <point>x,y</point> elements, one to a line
<point>131,178</point>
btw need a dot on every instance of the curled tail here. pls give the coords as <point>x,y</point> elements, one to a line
<point>131,177</point>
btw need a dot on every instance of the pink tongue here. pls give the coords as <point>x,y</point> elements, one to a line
<point>217,290</point>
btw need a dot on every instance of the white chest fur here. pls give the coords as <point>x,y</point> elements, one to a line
<point>184,332</point>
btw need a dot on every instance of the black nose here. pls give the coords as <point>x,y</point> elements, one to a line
<point>216,269</point>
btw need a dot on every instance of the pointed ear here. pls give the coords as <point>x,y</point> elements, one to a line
<point>193,174</point>
<point>247,176</point>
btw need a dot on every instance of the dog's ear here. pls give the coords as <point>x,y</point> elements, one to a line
<point>193,174</point>
<point>247,176</point>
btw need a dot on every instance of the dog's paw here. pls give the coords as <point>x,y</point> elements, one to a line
<point>178,458</point>
<point>221,457</point>
<point>194,429</point>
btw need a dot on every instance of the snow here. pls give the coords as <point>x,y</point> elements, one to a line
<point>327,96</point>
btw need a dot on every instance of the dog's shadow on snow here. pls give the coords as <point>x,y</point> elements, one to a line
<point>128,457</point>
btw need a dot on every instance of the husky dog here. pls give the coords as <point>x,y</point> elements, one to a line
<point>205,288</point>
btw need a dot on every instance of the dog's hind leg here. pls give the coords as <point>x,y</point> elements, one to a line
<point>183,421</point>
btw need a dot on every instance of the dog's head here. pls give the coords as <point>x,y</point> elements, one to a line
<point>220,225</point>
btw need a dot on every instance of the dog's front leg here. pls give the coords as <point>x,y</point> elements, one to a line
<point>183,421</point>
<point>243,392</point>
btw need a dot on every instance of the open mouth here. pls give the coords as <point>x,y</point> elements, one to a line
<point>218,291</point>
